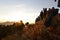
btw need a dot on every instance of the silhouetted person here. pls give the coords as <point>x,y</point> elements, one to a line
<point>27,23</point>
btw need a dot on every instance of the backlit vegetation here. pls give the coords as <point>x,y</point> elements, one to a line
<point>46,27</point>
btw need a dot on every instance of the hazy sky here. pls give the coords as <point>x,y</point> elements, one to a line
<point>26,10</point>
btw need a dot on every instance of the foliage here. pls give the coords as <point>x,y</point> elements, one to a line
<point>37,31</point>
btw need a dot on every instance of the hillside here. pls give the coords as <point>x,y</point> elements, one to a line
<point>46,27</point>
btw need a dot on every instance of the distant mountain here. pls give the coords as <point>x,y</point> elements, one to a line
<point>6,23</point>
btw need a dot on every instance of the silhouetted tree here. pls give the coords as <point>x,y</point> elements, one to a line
<point>38,19</point>
<point>52,13</point>
<point>41,14</point>
<point>45,12</point>
<point>21,26</point>
<point>21,23</point>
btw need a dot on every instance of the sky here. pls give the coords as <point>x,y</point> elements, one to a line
<point>25,10</point>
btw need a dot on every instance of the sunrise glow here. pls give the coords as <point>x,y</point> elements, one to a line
<point>20,12</point>
<point>25,10</point>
